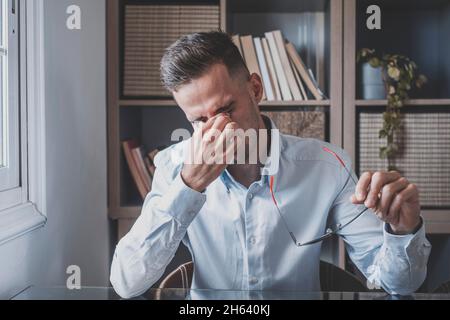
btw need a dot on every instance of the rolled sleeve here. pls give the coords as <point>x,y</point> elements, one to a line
<point>401,243</point>
<point>403,261</point>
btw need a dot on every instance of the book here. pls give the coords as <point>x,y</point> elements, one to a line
<point>271,67</point>
<point>299,81</point>
<point>281,77</point>
<point>250,56</point>
<point>150,166</point>
<point>320,48</point>
<point>237,42</point>
<point>128,146</point>
<point>152,154</point>
<point>280,43</point>
<point>249,52</point>
<point>264,71</point>
<point>313,79</point>
<point>143,173</point>
<point>298,63</point>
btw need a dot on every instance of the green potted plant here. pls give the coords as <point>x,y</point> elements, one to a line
<point>399,75</point>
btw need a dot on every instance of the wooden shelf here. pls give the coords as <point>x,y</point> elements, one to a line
<point>172,103</point>
<point>412,102</point>
<point>324,103</point>
<point>148,103</point>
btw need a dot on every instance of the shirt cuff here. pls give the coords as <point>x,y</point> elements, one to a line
<point>182,202</point>
<point>399,243</point>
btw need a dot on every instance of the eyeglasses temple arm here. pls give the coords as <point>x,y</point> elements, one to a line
<point>279,212</point>
<point>325,236</point>
<point>341,162</point>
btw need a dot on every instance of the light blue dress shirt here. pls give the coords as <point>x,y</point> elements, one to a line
<point>238,241</point>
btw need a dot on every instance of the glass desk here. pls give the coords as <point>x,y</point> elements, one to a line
<point>97,293</point>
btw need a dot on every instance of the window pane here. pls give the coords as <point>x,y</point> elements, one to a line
<point>3,79</point>
<point>2,19</point>
<point>2,113</point>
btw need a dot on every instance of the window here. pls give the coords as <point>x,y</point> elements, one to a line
<point>22,144</point>
<point>3,22</point>
<point>9,159</point>
<point>2,81</point>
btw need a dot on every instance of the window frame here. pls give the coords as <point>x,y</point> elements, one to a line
<point>26,205</point>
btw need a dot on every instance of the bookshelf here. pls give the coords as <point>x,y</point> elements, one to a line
<point>418,29</point>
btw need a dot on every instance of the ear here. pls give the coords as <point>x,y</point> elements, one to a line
<point>256,87</point>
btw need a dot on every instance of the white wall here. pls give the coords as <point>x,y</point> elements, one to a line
<point>77,231</point>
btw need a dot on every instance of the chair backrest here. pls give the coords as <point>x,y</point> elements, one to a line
<point>181,277</point>
<point>332,278</point>
<point>443,288</point>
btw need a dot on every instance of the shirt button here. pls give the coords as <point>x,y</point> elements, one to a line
<point>250,196</point>
<point>252,240</point>
<point>253,280</point>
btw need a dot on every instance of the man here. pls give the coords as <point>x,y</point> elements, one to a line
<point>237,220</point>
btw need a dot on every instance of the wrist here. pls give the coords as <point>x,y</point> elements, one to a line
<point>405,231</point>
<point>191,184</point>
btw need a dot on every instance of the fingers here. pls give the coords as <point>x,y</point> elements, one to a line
<point>208,124</point>
<point>214,150</point>
<point>230,153</point>
<point>388,193</point>
<point>398,201</point>
<point>379,179</point>
<point>217,122</point>
<point>216,128</point>
<point>220,122</point>
<point>226,143</point>
<point>362,187</point>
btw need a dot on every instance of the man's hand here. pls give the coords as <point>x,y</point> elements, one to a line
<point>392,197</point>
<point>208,156</point>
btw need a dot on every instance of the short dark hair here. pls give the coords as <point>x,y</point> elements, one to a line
<point>193,54</point>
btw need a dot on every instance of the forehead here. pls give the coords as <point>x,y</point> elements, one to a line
<point>208,92</point>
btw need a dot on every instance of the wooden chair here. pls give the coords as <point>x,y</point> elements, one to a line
<point>332,279</point>
<point>443,288</point>
<point>181,277</point>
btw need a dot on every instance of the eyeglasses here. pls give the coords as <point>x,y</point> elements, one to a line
<point>330,231</point>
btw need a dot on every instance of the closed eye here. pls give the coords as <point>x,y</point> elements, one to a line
<point>227,109</point>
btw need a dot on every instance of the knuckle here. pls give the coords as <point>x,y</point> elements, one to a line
<point>403,180</point>
<point>389,189</point>
<point>400,197</point>
<point>367,174</point>
<point>369,204</point>
<point>230,125</point>
<point>377,176</point>
<point>394,174</point>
